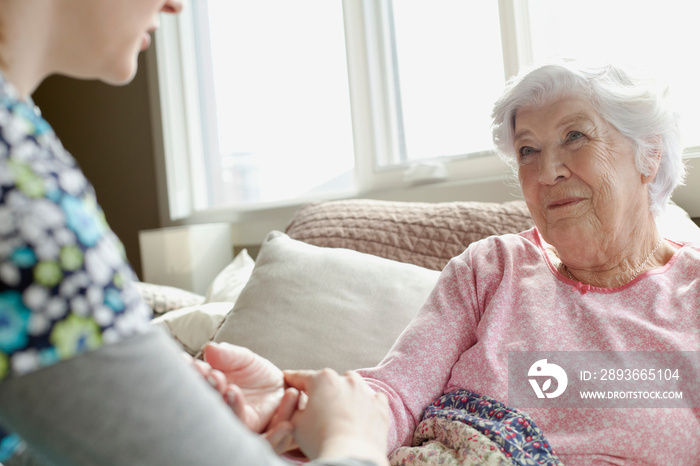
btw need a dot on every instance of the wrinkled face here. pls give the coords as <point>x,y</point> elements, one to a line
<point>102,38</point>
<point>578,176</point>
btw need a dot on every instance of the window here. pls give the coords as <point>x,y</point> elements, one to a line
<point>276,95</point>
<point>437,48</point>
<point>271,102</point>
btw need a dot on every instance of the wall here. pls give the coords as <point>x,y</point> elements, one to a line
<point>108,131</point>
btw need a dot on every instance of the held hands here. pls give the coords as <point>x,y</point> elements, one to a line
<point>325,414</point>
<point>342,417</point>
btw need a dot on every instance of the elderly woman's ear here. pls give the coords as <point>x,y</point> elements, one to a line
<point>652,159</point>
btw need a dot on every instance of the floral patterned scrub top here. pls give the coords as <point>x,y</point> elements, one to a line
<point>65,284</point>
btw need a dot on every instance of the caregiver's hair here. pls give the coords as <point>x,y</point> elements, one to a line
<point>637,108</point>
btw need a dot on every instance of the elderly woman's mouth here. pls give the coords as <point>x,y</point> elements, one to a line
<point>566,202</point>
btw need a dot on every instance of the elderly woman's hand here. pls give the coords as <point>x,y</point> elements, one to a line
<point>343,417</point>
<point>253,410</point>
<point>251,385</point>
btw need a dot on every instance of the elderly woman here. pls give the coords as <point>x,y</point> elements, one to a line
<point>597,155</point>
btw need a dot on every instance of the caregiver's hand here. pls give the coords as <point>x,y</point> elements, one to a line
<point>343,417</point>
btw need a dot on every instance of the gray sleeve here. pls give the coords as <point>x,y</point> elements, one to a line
<point>132,403</point>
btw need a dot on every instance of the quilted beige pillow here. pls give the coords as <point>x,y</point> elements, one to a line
<point>421,233</point>
<point>307,307</point>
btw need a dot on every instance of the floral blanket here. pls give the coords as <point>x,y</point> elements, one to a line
<point>464,428</point>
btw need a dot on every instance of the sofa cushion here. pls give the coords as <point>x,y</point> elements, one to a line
<point>307,307</point>
<point>425,234</point>
<point>193,326</point>
<point>164,299</point>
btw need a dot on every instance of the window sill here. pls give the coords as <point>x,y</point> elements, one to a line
<point>251,224</point>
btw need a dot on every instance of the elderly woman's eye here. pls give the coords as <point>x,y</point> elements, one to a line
<point>525,151</point>
<point>574,135</point>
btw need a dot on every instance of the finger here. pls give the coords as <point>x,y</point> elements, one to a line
<point>303,401</point>
<point>227,357</point>
<point>287,407</point>
<point>305,380</point>
<point>298,379</point>
<point>201,366</point>
<point>280,437</point>
<point>217,380</point>
<point>235,399</point>
<point>204,370</point>
<point>355,379</point>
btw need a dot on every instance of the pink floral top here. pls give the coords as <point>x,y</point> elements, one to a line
<point>503,294</point>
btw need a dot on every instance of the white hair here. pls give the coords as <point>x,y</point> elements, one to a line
<point>638,108</point>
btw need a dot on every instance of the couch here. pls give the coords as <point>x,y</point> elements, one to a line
<point>338,286</point>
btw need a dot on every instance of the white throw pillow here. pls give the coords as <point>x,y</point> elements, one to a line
<point>193,326</point>
<point>675,224</point>
<point>229,283</point>
<point>308,307</point>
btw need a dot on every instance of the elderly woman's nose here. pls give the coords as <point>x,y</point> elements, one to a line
<point>551,167</point>
<point>172,6</point>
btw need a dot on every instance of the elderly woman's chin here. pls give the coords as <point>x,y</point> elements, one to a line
<point>565,224</point>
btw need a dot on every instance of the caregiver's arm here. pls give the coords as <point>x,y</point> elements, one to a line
<point>134,402</point>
